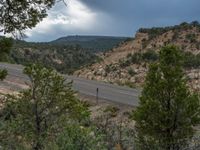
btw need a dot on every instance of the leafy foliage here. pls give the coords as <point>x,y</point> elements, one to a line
<point>75,137</point>
<point>41,111</point>
<point>150,55</point>
<point>3,74</point>
<point>5,45</point>
<point>168,110</point>
<point>19,15</point>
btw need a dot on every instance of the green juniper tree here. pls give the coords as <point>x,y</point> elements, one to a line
<point>3,74</point>
<point>40,112</point>
<point>167,110</point>
<point>5,46</point>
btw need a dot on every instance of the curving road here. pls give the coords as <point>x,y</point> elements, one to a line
<point>106,91</point>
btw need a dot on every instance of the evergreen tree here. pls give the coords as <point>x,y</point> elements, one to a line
<point>3,74</point>
<point>5,46</point>
<point>168,110</point>
<point>40,112</point>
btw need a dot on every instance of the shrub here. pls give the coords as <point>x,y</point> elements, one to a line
<point>191,38</point>
<point>191,60</point>
<point>107,69</point>
<point>112,110</point>
<point>124,63</point>
<point>110,68</point>
<point>131,72</point>
<point>136,58</point>
<point>150,55</point>
<point>75,137</point>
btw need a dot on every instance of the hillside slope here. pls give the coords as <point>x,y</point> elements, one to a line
<point>92,43</point>
<point>128,63</point>
<point>63,58</point>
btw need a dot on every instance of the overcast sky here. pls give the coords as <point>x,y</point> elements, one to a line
<point>112,17</point>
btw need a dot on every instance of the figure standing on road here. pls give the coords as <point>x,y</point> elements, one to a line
<point>97,95</point>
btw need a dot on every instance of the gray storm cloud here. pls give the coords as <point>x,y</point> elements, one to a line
<point>112,17</point>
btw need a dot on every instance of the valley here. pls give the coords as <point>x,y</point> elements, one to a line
<point>66,54</point>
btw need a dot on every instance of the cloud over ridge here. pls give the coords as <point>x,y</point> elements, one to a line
<point>112,17</point>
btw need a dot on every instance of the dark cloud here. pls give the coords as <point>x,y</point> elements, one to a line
<point>148,12</point>
<point>121,17</point>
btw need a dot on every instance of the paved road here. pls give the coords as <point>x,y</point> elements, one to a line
<point>106,91</point>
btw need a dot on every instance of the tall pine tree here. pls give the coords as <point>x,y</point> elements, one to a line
<point>168,110</point>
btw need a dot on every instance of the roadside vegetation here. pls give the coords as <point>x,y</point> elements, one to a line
<point>36,117</point>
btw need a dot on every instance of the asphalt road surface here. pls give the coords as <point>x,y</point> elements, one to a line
<point>106,91</point>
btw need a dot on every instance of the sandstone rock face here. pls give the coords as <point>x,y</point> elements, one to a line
<point>110,69</point>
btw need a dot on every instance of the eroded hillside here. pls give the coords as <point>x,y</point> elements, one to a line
<point>128,63</point>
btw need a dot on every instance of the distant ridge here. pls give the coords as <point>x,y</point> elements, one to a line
<point>94,43</point>
<point>85,38</point>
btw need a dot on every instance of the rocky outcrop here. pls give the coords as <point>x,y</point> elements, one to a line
<point>187,37</point>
